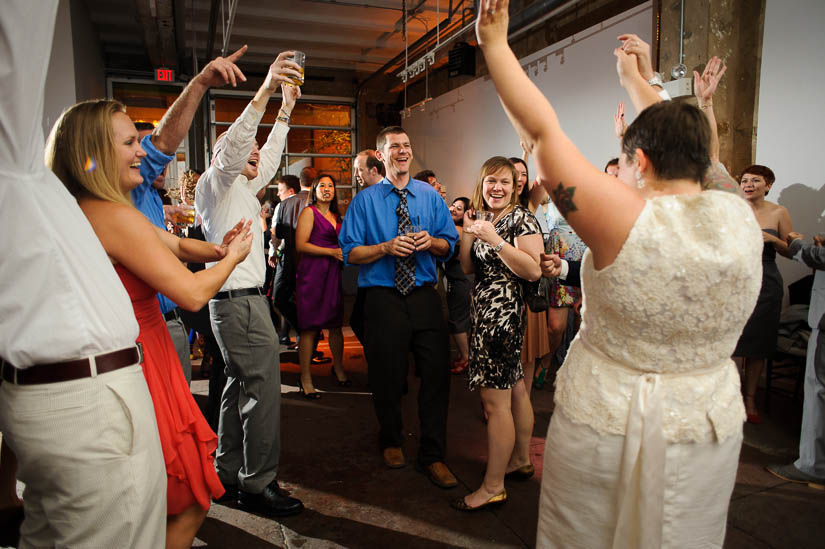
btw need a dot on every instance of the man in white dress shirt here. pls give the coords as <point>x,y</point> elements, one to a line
<point>249,425</point>
<point>74,405</point>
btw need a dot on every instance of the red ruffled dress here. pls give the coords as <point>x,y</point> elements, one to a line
<point>187,441</point>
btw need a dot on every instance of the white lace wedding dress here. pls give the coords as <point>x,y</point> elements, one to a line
<point>643,446</point>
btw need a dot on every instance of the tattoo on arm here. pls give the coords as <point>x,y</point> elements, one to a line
<point>563,199</point>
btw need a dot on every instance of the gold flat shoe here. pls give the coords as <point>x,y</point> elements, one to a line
<point>494,501</point>
<point>522,473</point>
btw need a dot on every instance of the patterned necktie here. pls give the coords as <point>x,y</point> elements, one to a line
<point>404,266</point>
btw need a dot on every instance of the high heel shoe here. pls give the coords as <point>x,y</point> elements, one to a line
<point>458,366</point>
<point>495,501</point>
<point>754,417</point>
<point>341,383</point>
<point>311,396</point>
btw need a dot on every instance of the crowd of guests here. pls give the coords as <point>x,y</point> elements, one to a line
<point>648,400</point>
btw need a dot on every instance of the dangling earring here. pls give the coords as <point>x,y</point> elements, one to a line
<point>640,183</point>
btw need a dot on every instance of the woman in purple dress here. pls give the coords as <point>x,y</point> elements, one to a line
<point>318,293</point>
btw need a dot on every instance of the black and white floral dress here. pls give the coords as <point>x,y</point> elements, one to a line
<point>497,309</point>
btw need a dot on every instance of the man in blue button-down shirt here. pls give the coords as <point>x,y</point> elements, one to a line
<point>160,145</point>
<point>403,315</point>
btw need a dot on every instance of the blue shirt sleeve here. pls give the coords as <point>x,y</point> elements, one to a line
<point>352,228</point>
<point>443,226</point>
<point>145,197</point>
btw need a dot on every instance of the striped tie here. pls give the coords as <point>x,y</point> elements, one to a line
<point>404,266</point>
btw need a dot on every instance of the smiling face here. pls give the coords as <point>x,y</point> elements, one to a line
<point>457,211</point>
<point>129,151</point>
<point>497,189</point>
<point>396,154</point>
<point>250,169</point>
<point>521,170</point>
<point>754,186</point>
<point>324,191</point>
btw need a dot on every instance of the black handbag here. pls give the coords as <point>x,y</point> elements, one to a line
<point>536,294</point>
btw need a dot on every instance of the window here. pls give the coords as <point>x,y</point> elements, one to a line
<point>321,136</point>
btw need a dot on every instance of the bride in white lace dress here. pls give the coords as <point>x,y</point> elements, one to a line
<point>643,446</point>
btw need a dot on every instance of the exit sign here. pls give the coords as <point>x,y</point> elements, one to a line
<point>164,75</point>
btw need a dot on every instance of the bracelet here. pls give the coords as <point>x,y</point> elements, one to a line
<point>284,119</point>
<point>707,106</point>
<point>500,245</point>
<point>656,80</point>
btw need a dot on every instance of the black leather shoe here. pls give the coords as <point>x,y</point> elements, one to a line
<point>272,502</point>
<point>230,493</point>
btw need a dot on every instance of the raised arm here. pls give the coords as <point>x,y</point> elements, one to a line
<point>176,121</point>
<point>704,87</point>
<point>274,147</point>
<point>599,208</point>
<point>637,83</point>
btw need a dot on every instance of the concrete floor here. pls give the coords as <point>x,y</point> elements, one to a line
<point>330,460</point>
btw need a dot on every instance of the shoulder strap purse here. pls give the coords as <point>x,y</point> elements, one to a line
<point>536,294</point>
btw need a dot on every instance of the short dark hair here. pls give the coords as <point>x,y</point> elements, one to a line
<point>674,136</point>
<point>292,182</point>
<point>308,175</point>
<point>144,126</point>
<point>611,162</point>
<point>372,161</point>
<point>762,171</point>
<point>381,139</point>
<point>333,206</point>
<point>424,175</point>
<point>524,197</point>
<point>466,202</point>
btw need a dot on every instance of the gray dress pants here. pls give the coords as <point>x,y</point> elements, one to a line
<point>249,428</point>
<point>181,340</point>
<point>812,439</point>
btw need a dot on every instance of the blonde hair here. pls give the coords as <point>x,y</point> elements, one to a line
<point>81,151</point>
<point>188,182</point>
<point>491,166</point>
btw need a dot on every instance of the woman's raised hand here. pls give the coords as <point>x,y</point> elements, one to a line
<point>484,230</point>
<point>634,45</point>
<point>619,125</point>
<point>705,86</point>
<point>626,65</point>
<point>491,25</point>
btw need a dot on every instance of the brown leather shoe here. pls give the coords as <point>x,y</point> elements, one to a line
<point>439,474</point>
<point>394,457</point>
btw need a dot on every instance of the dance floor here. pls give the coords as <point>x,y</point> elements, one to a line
<point>330,460</point>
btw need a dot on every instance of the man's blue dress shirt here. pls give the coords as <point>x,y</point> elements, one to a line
<point>146,197</point>
<point>371,219</point>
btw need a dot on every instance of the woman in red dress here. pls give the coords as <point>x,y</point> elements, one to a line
<point>94,149</point>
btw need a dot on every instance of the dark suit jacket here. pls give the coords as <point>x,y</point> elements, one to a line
<point>573,274</point>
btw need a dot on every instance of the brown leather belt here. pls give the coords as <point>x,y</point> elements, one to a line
<point>72,369</point>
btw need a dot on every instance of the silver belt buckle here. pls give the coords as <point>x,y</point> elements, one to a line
<point>139,346</point>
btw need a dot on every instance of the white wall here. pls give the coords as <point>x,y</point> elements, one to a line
<point>461,129</point>
<point>792,114</point>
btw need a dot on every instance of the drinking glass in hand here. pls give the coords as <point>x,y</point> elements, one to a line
<point>299,57</point>
<point>484,215</point>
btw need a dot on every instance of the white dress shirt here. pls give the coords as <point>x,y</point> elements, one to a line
<point>60,297</point>
<point>223,196</point>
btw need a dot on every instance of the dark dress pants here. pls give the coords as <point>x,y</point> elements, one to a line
<point>396,325</point>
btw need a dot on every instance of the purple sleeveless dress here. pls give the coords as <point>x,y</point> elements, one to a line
<point>318,293</point>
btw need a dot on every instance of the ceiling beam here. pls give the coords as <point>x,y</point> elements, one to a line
<point>158,22</point>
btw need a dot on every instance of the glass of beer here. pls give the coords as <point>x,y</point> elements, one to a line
<point>299,57</point>
<point>185,217</point>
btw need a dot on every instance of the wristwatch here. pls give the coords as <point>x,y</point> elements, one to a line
<point>656,80</point>
<point>499,246</point>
